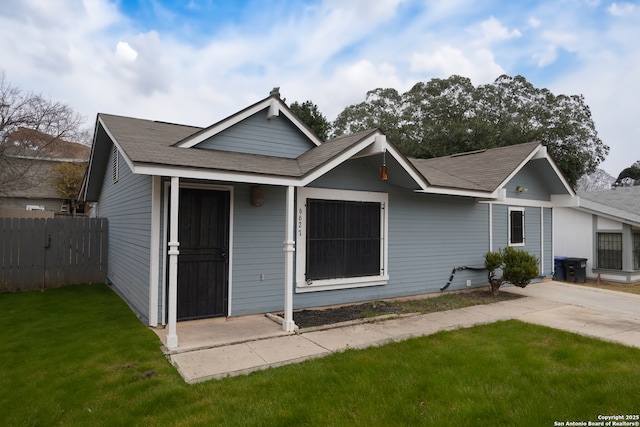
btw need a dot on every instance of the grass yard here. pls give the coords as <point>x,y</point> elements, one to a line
<point>78,356</point>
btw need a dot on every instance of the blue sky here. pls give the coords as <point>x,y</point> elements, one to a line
<point>198,61</point>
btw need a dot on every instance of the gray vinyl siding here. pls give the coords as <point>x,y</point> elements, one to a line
<point>127,205</point>
<point>428,236</point>
<point>536,240</point>
<point>532,228</point>
<point>528,179</point>
<point>258,135</point>
<point>258,236</point>
<point>500,214</point>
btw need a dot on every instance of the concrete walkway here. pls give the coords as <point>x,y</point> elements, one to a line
<point>213,350</point>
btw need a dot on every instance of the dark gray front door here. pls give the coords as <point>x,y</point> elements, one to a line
<point>203,267</point>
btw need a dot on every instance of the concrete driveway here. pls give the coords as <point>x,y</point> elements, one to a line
<point>225,348</point>
<point>599,313</point>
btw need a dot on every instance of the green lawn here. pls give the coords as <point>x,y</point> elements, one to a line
<point>78,356</point>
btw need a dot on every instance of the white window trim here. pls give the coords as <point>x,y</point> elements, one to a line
<point>305,193</point>
<point>524,228</point>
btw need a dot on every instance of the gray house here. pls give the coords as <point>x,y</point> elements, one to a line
<point>604,227</point>
<point>255,214</point>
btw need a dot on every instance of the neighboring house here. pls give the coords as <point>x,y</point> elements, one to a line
<point>255,214</point>
<point>33,156</point>
<point>603,227</point>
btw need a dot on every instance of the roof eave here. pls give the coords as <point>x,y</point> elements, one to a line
<point>216,175</point>
<point>608,212</point>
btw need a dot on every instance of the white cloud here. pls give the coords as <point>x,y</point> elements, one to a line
<point>491,30</point>
<point>621,9</point>
<point>534,22</point>
<point>479,65</point>
<point>126,52</point>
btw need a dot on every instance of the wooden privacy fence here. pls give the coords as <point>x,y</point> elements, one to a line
<point>37,253</point>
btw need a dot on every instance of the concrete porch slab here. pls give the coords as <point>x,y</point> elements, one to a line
<point>210,333</point>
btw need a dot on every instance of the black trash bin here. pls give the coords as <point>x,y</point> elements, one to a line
<point>558,268</point>
<point>576,269</point>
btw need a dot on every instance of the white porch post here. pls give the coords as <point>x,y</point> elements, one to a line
<point>172,337</point>
<point>289,249</point>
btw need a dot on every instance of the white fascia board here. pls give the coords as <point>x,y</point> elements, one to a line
<point>306,131</point>
<point>540,153</point>
<point>117,144</point>
<point>210,175</point>
<point>456,192</point>
<point>224,124</point>
<point>274,106</point>
<point>543,154</point>
<point>374,144</point>
<point>520,166</point>
<point>408,167</point>
<point>338,160</point>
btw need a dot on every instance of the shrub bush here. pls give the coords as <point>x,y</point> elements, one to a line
<point>519,267</point>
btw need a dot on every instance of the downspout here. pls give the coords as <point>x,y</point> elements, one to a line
<point>288,324</point>
<point>172,337</point>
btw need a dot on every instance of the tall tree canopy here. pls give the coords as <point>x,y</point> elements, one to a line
<point>29,125</point>
<point>311,116</point>
<point>447,116</point>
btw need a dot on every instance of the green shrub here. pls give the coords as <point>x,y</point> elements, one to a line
<point>519,267</point>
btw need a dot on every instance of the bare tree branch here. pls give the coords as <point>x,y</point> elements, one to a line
<point>31,126</point>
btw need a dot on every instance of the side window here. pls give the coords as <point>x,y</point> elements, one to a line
<point>516,227</point>
<point>609,246</point>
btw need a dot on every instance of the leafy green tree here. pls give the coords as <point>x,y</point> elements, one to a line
<point>447,116</point>
<point>310,115</point>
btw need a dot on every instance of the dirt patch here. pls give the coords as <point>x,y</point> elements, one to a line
<point>328,316</point>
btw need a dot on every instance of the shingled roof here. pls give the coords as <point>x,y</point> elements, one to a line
<point>153,143</point>
<point>622,203</point>
<point>161,148</point>
<point>482,170</point>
